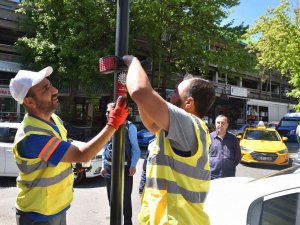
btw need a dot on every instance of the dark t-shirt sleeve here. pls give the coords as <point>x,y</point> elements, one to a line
<point>31,147</point>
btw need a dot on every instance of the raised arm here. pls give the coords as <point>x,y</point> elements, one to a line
<point>153,108</point>
<point>87,151</point>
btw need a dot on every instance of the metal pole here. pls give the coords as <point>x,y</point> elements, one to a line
<point>118,157</point>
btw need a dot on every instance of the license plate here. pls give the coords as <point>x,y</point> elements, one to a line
<point>264,158</point>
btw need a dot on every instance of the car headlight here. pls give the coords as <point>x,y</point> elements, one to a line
<point>246,149</point>
<point>283,151</point>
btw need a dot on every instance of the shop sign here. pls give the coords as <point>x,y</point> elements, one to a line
<point>4,91</point>
<point>238,91</point>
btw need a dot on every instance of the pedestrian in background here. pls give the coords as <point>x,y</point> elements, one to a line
<point>132,155</point>
<point>225,151</point>
<point>43,154</point>
<point>298,133</point>
<point>177,173</point>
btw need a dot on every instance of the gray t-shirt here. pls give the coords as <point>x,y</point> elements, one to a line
<point>181,133</point>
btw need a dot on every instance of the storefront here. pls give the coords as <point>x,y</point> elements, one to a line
<point>233,108</point>
<point>232,105</point>
<point>10,110</point>
<point>259,110</point>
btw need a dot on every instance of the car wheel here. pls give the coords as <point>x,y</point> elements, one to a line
<point>79,173</point>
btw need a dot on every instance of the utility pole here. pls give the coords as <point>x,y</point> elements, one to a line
<point>117,176</point>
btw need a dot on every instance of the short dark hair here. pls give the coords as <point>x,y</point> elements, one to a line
<point>203,93</point>
<point>221,115</point>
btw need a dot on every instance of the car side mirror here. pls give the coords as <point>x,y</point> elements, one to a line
<point>239,136</point>
<point>284,138</point>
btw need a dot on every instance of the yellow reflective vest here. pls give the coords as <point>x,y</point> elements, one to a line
<point>42,187</point>
<point>176,186</point>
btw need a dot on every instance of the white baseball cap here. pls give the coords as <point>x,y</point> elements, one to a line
<point>24,80</point>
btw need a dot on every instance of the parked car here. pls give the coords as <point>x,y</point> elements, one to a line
<point>238,129</point>
<point>263,146</point>
<point>144,136</point>
<point>288,125</point>
<point>8,165</point>
<point>88,169</point>
<point>272,200</point>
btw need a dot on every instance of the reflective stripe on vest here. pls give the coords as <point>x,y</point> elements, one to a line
<point>45,182</point>
<point>180,167</point>
<point>204,158</point>
<point>29,129</point>
<point>49,148</point>
<point>172,187</point>
<point>25,168</point>
<point>171,165</point>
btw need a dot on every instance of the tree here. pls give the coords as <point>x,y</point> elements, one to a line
<point>276,43</point>
<point>69,35</point>
<point>179,33</point>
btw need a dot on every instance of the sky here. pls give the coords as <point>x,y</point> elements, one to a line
<point>249,11</point>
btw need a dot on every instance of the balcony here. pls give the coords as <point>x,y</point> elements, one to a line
<point>255,94</point>
<point>8,17</point>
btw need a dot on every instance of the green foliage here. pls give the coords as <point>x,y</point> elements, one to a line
<point>277,44</point>
<point>178,33</point>
<point>71,35</point>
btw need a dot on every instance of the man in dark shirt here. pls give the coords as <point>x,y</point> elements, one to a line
<point>225,152</point>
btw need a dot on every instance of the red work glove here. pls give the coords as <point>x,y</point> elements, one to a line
<point>118,115</point>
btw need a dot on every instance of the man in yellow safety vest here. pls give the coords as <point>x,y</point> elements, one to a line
<point>43,154</point>
<point>177,173</point>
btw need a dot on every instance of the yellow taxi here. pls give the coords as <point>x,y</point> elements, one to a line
<point>264,146</point>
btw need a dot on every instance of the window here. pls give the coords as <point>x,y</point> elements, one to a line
<point>281,210</point>
<point>289,123</point>
<point>11,135</point>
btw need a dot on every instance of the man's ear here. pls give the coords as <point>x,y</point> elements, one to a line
<point>189,103</point>
<point>29,102</point>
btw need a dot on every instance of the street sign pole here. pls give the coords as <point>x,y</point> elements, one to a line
<point>117,175</point>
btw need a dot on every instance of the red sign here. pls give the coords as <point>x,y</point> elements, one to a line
<point>121,89</point>
<point>4,91</point>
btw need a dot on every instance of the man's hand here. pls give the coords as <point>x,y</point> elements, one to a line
<point>102,172</point>
<point>132,171</point>
<point>118,115</point>
<point>128,59</point>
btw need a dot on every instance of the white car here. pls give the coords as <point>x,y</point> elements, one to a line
<point>8,165</point>
<point>271,200</point>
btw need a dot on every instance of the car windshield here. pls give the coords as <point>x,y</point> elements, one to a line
<point>261,135</point>
<point>288,123</point>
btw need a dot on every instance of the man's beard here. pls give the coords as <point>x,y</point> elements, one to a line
<point>47,107</point>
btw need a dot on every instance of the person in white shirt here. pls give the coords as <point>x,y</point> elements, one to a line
<point>298,133</point>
